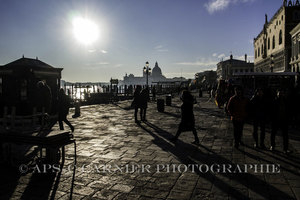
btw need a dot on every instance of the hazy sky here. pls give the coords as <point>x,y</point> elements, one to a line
<point>183,36</point>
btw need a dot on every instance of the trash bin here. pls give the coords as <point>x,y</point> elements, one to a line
<point>77,110</point>
<point>168,100</point>
<point>160,105</point>
<point>200,93</point>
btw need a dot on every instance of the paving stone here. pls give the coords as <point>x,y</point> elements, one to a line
<point>107,135</point>
<point>179,194</point>
<point>122,188</point>
<point>278,191</point>
<point>105,194</point>
<point>296,191</point>
<point>126,196</point>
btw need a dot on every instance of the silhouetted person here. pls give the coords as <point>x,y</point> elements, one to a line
<point>238,110</point>
<point>259,111</point>
<point>280,118</point>
<point>136,103</point>
<point>153,93</point>
<point>294,98</point>
<point>187,117</point>
<point>144,98</point>
<point>221,94</point>
<point>200,92</point>
<point>63,109</point>
<point>44,97</point>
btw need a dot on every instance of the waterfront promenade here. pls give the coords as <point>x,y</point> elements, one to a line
<point>119,159</point>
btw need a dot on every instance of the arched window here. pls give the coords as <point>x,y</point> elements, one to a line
<point>258,52</point>
<point>280,37</point>
<point>268,43</point>
<point>273,42</point>
<point>262,49</point>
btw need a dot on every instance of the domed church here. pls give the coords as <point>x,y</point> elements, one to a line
<point>155,76</point>
<point>156,72</point>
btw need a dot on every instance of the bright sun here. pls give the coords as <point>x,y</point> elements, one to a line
<point>85,31</point>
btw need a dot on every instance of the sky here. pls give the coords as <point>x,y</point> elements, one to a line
<point>183,36</point>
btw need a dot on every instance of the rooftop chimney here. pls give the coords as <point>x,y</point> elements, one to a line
<point>231,57</point>
<point>245,57</point>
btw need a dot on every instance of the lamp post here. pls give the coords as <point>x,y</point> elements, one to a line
<point>147,70</point>
<point>197,79</point>
<point>272,63</point>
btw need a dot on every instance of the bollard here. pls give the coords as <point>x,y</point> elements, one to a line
<point>77,110</point>
<point>160,105</point>
<point>200,93</point>
<point>168,100</point>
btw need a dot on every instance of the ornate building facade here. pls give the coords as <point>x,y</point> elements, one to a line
<point>295,58</point>
<point>272,47</point>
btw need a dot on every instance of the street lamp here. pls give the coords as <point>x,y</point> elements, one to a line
<point>272,63</point>
<point>197,79</point>
<point>147,70</point>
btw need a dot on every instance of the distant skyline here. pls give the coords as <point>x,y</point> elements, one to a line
<point>184,37</point>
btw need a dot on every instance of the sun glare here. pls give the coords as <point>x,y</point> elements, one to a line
<point>85,31</point>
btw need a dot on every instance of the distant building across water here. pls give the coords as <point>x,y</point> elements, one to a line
<point>154,77</point>
<point>227,68</point>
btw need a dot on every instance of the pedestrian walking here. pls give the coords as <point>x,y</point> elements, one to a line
<point>63,109</point>
<point>187,117</point>
<point>200,92</point>
<point>153,93</point>
<point>238,110</point>
<point>136,103</point>
<point>144,98</point>
<point>43,97</point>
<point>259,112</point>
<point>280,119</point>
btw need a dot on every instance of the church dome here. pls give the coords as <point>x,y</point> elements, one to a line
<point>156,71</point>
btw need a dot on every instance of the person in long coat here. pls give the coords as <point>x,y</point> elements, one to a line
<point>43,97</point>
<point>144,98</point>
<point>187,117</point>
<point>136,103</point>
<point>259,109</point>
<point>63,109</point>
<point>280,119</point>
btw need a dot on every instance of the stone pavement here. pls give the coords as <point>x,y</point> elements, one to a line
<point>118,159</point>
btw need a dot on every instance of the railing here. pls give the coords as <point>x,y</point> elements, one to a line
<point>26,123</point>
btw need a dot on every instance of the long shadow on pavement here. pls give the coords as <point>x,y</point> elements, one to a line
<point>39,186</point>
<point>9,181</point>
<point>279,156</point>
<point>262,159</point>
<point>186,160</point>
<point>210,159</point>
<point>210,112</point>
<point>172,114</point>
